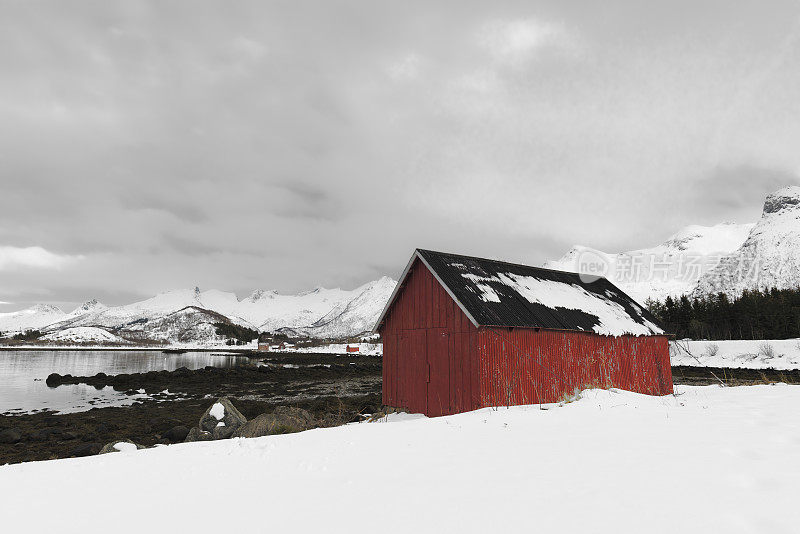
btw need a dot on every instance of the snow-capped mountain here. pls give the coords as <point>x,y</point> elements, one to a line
<point>89,306</point>
<point>32,318</point>
<point>769,257</point>
<point>189,314</point>
<point>83,334</point>
<point>358,315</point>
<point>273,311</point>
<point>187,325</point>
<point>672,268</point>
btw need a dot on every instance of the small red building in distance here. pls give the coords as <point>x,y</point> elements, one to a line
<point>461,333</point>
<point>352,349</point>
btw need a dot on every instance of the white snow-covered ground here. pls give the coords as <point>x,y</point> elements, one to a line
<point>780,354</point>
<point>710,459</point>
<point>369,349</point>
<point>83,334</point>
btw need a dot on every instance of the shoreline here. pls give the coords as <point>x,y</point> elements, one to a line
<point>252,352</point>
<point>333,389</point>
<point>130,348</point>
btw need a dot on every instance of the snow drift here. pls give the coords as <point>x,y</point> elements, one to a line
<point>708,459</point>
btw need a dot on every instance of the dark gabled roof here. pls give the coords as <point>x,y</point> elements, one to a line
<point>497,293</point>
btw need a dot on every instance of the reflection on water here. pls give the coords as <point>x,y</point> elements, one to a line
<point>22,375</point>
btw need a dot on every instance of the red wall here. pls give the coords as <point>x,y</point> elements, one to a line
<point>429,350</point>
<point>527,366</point>
<point>436,362</point>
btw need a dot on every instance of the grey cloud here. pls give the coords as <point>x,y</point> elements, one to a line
<point>304,191</point>
<point>736,187</point>
<point>185,212</point>
<point>288,145</point>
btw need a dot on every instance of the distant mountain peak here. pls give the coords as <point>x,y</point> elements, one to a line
<point>672,268</point>
<point>782,199</point>
<point>89,306</point>
<point>769,257</point>
<point>187,315</point>
<point>45,308</point>
<point>261,294</point>
<point>317,289</point>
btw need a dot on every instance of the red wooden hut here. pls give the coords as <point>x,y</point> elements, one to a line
<point>461,333</point>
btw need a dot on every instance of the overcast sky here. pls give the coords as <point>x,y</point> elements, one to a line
<point>146,146</point>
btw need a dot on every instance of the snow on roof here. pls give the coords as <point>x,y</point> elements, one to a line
<point>496,293</point>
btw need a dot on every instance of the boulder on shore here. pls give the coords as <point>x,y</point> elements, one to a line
<point>10,435</point>
<point>298,413</point>
<point>122,445</point>
<point>176,434</point>
<point>269,424</point>
<point>222,418</point>
<point>195,434</point>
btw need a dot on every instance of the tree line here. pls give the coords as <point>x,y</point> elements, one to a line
<point>772,314</point>
<point>237,335</point>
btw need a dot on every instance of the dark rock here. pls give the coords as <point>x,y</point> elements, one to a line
<point>226,417</point>
<point>10,435</point>
<point>195,434</point>
<point>176,434</point>
<point>269,424</point>
<point>112,446</point>
<point>86,449</point>
<point>182,371</point>
<point>53,380</point>
<point>222,431</point>
<point>296,412</point>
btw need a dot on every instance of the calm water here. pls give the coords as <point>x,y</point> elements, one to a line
<point>22,375</point>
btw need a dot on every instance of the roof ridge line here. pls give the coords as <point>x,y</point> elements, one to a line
<point>509,263</point>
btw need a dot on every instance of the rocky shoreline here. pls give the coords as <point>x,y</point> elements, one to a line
<point>45,436</point>
<point>702,376</point>
<point>330,389</point>
<point>282,377</point>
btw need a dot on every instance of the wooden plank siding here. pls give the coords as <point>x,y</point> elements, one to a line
<point>422,311</point>
<point>527,366</point>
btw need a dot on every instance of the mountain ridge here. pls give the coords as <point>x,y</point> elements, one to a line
<point>768,258</point>
<point>698,261</point>
<point>671,268</point>
<point>318,312</point>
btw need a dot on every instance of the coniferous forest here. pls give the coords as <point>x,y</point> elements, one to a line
<point>773,314</point>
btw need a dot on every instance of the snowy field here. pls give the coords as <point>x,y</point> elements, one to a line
<point>779,354</point>
<point>84,334</point>
<point>369,349</point>
<point>710,459</point>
